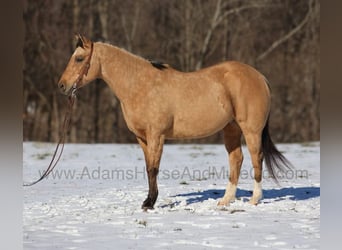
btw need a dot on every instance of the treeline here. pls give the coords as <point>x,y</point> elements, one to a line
<point>278,37</point>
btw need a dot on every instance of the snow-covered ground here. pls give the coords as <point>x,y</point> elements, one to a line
<point>92,200</point>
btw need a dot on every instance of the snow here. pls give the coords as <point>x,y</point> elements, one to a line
<point>92,200</point>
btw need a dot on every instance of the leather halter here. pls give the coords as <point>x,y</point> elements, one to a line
<point>83,71</point>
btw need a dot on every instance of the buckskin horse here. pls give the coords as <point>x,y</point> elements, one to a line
<point>159,103</point>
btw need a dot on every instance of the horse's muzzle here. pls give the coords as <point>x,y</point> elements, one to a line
<point>64,89</point>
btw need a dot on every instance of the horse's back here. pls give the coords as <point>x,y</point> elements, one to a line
<point>238,74</point>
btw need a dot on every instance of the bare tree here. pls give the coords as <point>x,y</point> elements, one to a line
<point>279,37</point>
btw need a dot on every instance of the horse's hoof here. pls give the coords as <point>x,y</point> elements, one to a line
<point>225,202</point>
<point>147,205</point>
<point>256,198</point>
<point>145,208</point>
<point>254,201</point>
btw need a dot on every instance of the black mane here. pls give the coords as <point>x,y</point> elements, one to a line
<point>158,65</point>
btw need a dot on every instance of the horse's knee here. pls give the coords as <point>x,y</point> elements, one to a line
<point>152,171</point>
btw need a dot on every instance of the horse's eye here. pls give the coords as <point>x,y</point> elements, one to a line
<point>79,59</point>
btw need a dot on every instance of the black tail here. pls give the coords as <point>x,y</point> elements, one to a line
<point>274,160</point>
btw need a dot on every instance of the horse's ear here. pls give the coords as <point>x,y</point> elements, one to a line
<point>82,41</point>
<point>79,42</point>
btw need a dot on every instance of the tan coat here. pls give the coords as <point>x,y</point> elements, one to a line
<point>161,103</point>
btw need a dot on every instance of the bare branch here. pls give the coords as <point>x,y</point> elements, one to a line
<point>102,8</point>
<point>239,9</point>
<point>219,17</point>
<point>135,20</point>
<point>209,34</point>
<point>287,36</point>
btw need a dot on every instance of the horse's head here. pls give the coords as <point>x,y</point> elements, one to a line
<point>82,67</point>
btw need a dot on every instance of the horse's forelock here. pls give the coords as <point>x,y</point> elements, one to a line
<point>79,43</point>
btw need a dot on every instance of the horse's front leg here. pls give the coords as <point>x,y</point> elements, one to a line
<point>153,148</point>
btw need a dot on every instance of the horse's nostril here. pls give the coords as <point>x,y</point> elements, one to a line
<point>61,86</point>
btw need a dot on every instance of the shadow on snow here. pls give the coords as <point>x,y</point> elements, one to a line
<point>292,193</point>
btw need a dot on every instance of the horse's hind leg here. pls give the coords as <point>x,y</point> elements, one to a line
<point>232,140</point>
<point>253,141</point>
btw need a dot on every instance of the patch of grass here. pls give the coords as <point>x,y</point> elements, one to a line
<point>197,147</point>
<point>194,155</point>
<point>232,211</point>
<point>142,222</point>
<point>237,211</point>
<point>184,183</point>
<point>74,155</point>
<point>39,144</point>
<point>43,156</point>
<point>308,144</point>
<point>208,153</point>
<point>201,179</point>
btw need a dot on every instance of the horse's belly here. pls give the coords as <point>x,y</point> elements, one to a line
<point>200,123</point>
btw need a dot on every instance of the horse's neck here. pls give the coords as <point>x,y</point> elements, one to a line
<point>120,69</point>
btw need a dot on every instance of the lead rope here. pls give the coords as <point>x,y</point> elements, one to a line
<point>61,142</point>
<point>67,118</point>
